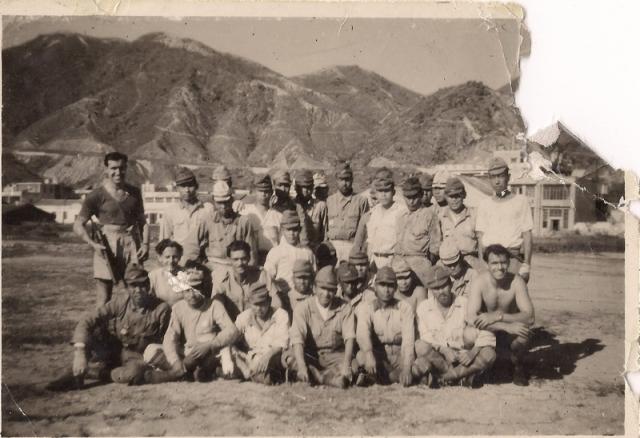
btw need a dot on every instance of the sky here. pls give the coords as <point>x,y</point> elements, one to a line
<point>421,54</point>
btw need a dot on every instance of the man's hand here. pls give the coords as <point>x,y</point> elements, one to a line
<point>262,365</point>
<point>466,357</point>
<point>484,320</point>
<point>178,369</point>
<point>518,329</point>
<point>143,252</point>
<point>79,362</point>
<point>449,355</point>
<point>303,374</point>
<point>370,363</point>
<point>200,350</point>
<point>345,369</point>
<point>405,377</point>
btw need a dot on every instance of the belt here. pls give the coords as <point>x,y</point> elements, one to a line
<point>113,228</point>
<point>411,254</point>
<point>383,254</point>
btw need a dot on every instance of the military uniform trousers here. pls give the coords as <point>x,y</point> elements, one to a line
<point>388,360</point>
<point>324,365</point>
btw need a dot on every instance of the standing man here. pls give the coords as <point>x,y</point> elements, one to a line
<point>345,210</point>
<point>225,226</point>
<point>265,221</point>
<point>418,231</point>
<point>505,219</point>
<point>281,202</point>
<point>439,184</point>
<point>386,335</point>
<point>119,208</point>
<point>315,211</point>
<point>458,222</point>
<point>185,221</point>
<point>221,173</point>
<point>499,302</point>
<point>382,228</point>
<point>426,182</point>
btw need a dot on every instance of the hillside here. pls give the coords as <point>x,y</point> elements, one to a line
<point>164,100</point>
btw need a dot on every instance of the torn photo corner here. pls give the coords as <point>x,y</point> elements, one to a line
<point>253,90</point>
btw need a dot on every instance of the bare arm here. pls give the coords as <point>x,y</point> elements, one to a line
<point>474,303</point>
<point>480,245</point>
<point>528,246</point>
<point>81,231</point>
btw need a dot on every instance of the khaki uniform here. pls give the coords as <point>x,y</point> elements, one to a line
<point>460,286</point>
<point>418,295</point>
<point>382,236</point>
<point>187,225</point>
<point>345,214</point>
<point>389,332</point>
<point>221,232</point>
<point>279,264</point>
<point>418,235</point>
<point>317,218</point>
<point>235,294</point>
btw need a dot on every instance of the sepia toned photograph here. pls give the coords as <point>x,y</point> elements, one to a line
<point>299,226</point>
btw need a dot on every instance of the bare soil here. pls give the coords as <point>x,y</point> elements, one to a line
<point>576,367</point>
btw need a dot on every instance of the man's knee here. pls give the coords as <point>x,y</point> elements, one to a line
<point>422,348</point>
<point>520,344</point>
<point>486,357</point>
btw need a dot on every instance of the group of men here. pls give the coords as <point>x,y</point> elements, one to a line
<point>335,290</point>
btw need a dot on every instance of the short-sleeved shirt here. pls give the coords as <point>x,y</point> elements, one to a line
<point>460,286</point>
<point>503,220</point>
<point>382,228</point>
<point>461,228</point>
<point>330,333</point>
<point>101,204</point>
<point>279,263</point>
<point>447,330</point>
<point>189,326</point>
<point>237,291</point>
<point>418,233</point>
<point>221,233</point>
<point>260,338</point>
<point>316,215</point>
<point>344,215</point>
<point>134,328</point>
<point>187,225</point>
<point>267,226</point>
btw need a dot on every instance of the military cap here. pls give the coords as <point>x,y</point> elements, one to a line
<point>383,184</point>
<point>426,181</point>
<point>347,273</point>
<point>290,220</point>
<point>440,179</point>
<point>454,185</point>
<point>304,178</point>
<point>185,176</point>
<point>411,186</point>
<point>497,166</point>
<point>258,293</point>
<point>302,268</point>
<point>221,191</point>
<point>383,172</point>
<point>262,183</point>
<point>320,180</point>
<point>326,278</point>
<point>358,257</point>
<point>343,170</point>
<point>400,267</point>
<point>437,277</point>
<point>281,176</point>
<point>135,274</point>
<point>386,276</point>
<point>221,173</point>
<point>449,252</point>
<point>195,277</point>
<point>325,250</point>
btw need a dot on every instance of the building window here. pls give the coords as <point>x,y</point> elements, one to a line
<point>152,218</point>
<point>555,192</point>
<point>565,218</point>
<point>531,191</point>
<point>545,217</point>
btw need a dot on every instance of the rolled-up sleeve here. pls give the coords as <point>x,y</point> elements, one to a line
<point>171,342</point>
<point>408,334</point>
<point>298,331</point>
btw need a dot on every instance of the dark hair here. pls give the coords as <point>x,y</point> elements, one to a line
<point>497,250</point>
<point>238,245</point>
<point>115,156</point>
<point>207,283</point>
<point>168,243</point>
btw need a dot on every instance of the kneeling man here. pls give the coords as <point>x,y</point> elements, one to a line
<point>499,302</point>
<point>448,348</point>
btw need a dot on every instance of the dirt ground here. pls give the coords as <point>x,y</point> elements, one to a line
<point>576,365</point>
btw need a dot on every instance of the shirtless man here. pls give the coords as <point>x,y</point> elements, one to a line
<point>499,302</point>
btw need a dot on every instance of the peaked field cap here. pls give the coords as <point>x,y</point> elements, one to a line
<point>437,277</point>
<point>326,278</point>
<point>383,183</point>
<point>440,179</point>
<point>383,172</point>
<point>411,186</point>
<point>449,252</point>
<point>325,249</point>
<point>281,176</point>
<point>262,183</point>
<point>426,181</point>
<point>347,273</point>
<point>400,266</point>
<point>320,180</point>
<point>136,274</point>
<point>221,173</point>
<point>302,268</point>
<point>258,293</point>
<point>497,166</point>
<point>290,219</point>
<point>386,276</point>
<point>304,178</point>
<point>221,191</point>
<point>454,185</point>
<point>343,170</point>
<point>358,257</point>
<point>185,176</point>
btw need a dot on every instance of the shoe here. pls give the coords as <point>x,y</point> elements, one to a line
<point>520,376</point>
<point>468,382</point>
<point>67,382</point>
<point>202,375</point>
